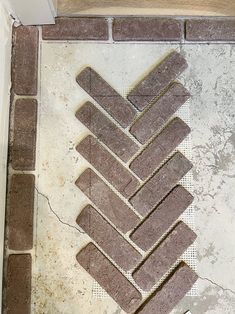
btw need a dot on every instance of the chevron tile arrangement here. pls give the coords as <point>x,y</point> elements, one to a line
<point>143,200</point>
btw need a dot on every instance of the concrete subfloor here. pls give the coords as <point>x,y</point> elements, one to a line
<point>59,284</point>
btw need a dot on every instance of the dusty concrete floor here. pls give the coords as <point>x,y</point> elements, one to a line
<point>59,283</point>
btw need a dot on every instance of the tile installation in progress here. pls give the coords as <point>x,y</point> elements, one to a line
<point>121,168</point>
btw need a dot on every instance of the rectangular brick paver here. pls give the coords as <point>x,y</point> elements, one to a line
<point>117,106</point>
<point>157,80</point>
<point>156,188</point>
<point>110,241</point>
<point>108,166</point>
<point>23,150</point>
<point>167,296</point>
<point>25,60</point>
<point>158,114</point>
<point>170,137</point>
<point>18,284</point>
<point>107,201</point>
<point>164,256</point>
<point>210,30</point>
<point>147,29</point>
<point>20,212</point>
<point>106,131</point>
<point>76,28</point>
<point>109,278</point>
<point>160,220</point>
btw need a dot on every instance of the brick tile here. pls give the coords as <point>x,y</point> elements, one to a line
<point>76,28</point>
<point>210,30</point>
<point>155,153</point>
<point>18,284</point>
<point>106,131</point>
<point>112,170</point>
<point>164,256</point>
<point>147,29</point>
<point>158,114</point>
<point>20,212</point>
<point>110,241</point>
<point>109,278</point>
<point>117,106</point>
<point>107,201</point>
<point>167,296</point>
<point>160,220</point>
<point>157,80</point>
<point>156,188</point>
<point>25,60</point>
<point>24,135</point>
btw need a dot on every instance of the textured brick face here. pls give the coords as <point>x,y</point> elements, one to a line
<point>109,278</point>
<point>170,292</point>
<point>173,134</point>
<point>118,107</point>
<point>24,134</point>
<point>107,131</point>
<point>108,166</point>
<point>107,201</point>
<point>76,28</point>
<point>210,30</point>
<point>158,114</point>
<point>18,284</point>
<point>142,176</point>
<point>147,29</point>
<point>25,60</point>
<point>160,220</point>
<point>157,80</point>
<point>164,256</point>
<point>155,189</point>
<point>20,212</point>
<point>111,242</point>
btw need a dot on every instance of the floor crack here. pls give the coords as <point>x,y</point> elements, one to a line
<point>217,285</point>
<point>55,214</point>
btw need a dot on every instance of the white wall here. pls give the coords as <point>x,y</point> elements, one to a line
<point>34,12</point>
<point>5,61</point>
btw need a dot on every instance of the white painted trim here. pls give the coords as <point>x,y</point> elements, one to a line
<point>34,12</point>
<point>5,83</point>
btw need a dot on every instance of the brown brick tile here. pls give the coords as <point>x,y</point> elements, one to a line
<point>76,28</point>
<point>24,135</point>
<point>20,212</point>
<point>164,256</point>
<point>108,166</point>
<point>157,80</point>
<point>106,131</point>
<point>18,284</point>
<point>107,201</point>
<point>156,188</point>
<point>110,241</point>
<point>158,114</point>
<point>167,296</point>
<point>155,153</point>
<point>147,29</point>
<point>25,60</point>
<point>210,30</point>
<point>117,106</point>
<point>109,278</point>
<point>160,220</point>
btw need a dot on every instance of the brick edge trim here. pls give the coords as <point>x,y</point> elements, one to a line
<point>22,129</point>
<point>142,29</point>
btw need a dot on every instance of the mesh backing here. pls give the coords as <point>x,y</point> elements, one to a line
<point>188,216</point>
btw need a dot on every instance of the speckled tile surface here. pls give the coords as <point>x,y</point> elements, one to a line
<point>59,283</point>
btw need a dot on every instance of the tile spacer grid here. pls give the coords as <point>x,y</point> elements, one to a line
<point>188,216</point>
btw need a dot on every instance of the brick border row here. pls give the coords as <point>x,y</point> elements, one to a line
<point>21,158</point>
<point>141,29</point>
<point>22,145</point>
